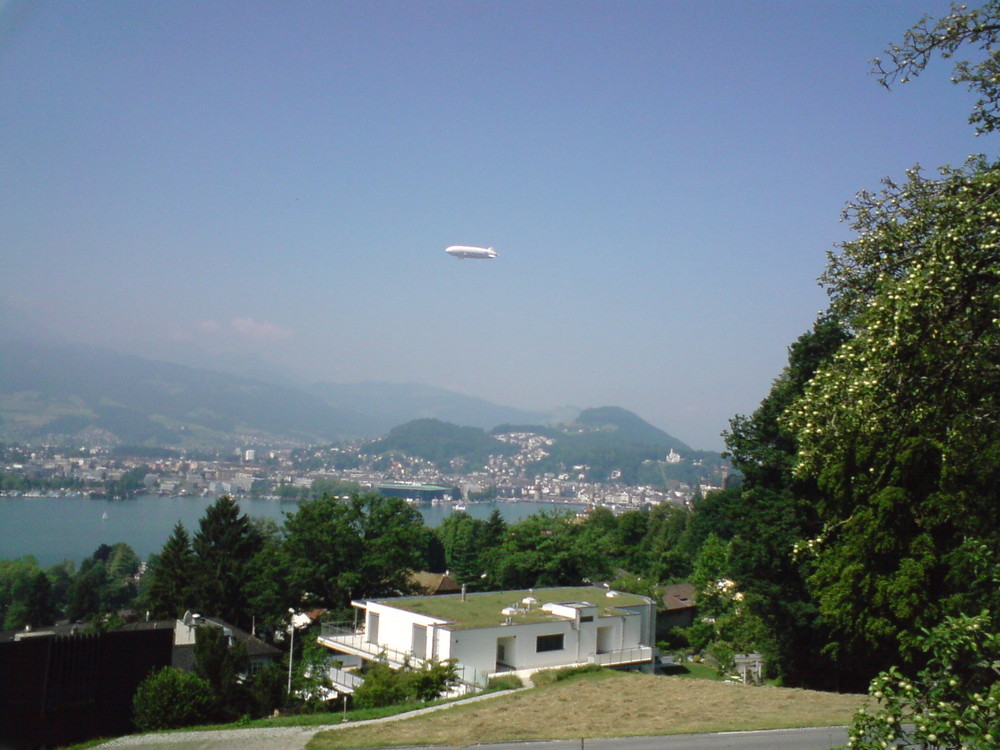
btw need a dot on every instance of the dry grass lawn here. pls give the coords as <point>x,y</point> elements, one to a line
<point>614,704</point>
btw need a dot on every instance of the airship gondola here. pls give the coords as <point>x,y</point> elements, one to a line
<point>471,251</point>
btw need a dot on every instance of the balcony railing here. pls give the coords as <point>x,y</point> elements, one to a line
<point>344,681</point>
<point>351,641</point>
<point>354,642</point>
<point>635,655</point>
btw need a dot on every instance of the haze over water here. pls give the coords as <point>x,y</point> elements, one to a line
<point>56,529</point>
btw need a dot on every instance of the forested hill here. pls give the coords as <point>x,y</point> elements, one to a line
<point>627,427</point>
<point>616,444</point>
<point>612,442</point>
<point>441,443</point>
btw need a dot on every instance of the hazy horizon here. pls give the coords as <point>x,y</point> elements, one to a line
<point>275,185</point>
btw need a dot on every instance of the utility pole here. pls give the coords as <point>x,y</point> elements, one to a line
<point>291,651</point>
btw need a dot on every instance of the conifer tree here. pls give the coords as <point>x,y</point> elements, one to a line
<point>170,589</point>
<point>224,546</point>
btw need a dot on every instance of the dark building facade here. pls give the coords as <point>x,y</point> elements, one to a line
<point>57,690</point>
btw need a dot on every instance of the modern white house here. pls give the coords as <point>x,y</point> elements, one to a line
<point>495,632</point>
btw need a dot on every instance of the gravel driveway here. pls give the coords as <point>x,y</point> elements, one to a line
<point>271,738</point>
<point>277,738</point>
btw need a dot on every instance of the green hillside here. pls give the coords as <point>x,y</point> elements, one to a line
<point>616,444</point>
<point>68,393</point>
<point>441,443</point>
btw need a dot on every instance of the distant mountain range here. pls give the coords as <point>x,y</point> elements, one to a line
<point>65,394</point>
<point>383,406</point>
<point>59,393</point>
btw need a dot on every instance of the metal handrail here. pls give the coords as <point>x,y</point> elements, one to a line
<point>622,656</point>
<point>468,676</point>
<point>352,638</point>
<point>343,677</point>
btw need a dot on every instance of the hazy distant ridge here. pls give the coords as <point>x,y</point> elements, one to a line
<point>63,393</point>
<point>58,392</point>
<point>386,405</point>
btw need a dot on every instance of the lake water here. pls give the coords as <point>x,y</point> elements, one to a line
<point>59,528</point>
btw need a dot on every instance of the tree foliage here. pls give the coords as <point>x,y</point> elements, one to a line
<point>385,686</point>
<point>954,701</point>
<point>337,550</point>
<point>224,545</point>
<point>168,592</point>
<point>222,662</point>
<point>901,429</point>
<point>962,27</point>
<point>171,698</point>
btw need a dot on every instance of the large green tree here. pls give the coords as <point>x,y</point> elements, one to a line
<point>224,546</point>
<point>770,512</point>
<point>901,429</point>
<point>877,448</point>
<point>336,550</point>
<point>460,536</point>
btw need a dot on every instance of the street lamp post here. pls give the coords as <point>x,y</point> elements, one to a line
<point>291,650</point>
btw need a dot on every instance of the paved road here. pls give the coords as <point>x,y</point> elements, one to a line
<point>295,738</point>
<point>823,738</point>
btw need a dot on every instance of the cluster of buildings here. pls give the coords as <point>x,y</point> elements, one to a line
<point>285,472</point>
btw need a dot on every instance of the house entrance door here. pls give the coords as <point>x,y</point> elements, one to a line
<point>506,654</point>
<point>420,641</point>
<point>605,639</point>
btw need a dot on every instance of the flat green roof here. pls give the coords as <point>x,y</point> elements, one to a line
<point>483,609</point>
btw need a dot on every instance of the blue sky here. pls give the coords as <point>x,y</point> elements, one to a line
<point>662,181</point>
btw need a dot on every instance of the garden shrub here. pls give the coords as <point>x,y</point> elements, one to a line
<point>171,698</point>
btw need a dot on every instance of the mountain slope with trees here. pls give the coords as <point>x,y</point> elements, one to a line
<point>612,442</point>
<point>62,392</point>
<point>616,444</point>
<point>69,393</point>
<point>441,444</point>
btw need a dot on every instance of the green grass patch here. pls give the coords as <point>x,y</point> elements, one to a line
<point>692,670</point>
<point>551,676</point>
<point>504,682</point>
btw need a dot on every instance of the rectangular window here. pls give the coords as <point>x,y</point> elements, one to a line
<point>549,643</point>
<point>586,618</point>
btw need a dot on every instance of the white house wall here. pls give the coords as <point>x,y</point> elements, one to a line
<point>477,648</point>
<point>646,622</point>
<point>395,631</point>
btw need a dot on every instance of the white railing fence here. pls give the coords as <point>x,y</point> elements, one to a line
<point>354,641</point>
<point>633,655</point>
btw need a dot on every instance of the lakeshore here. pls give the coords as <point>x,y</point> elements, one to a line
<point>53,529</point>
